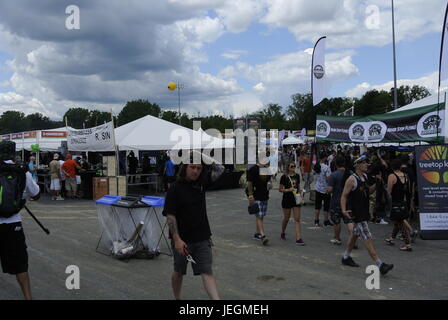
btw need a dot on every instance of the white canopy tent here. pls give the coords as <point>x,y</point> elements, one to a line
<point>292,140</point>
<point>151,133</point>
<point>48,140</point>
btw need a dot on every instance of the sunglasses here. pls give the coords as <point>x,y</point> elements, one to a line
<point>292,166</point>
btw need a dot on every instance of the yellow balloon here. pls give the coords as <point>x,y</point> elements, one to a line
<point>172,86</point>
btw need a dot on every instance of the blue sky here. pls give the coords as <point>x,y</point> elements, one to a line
<point>233,56</point>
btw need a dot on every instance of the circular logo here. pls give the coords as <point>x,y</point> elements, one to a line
<point>376,132</point>
<point>322,129</point>
<point>319,71</point>
<point>356,132</point>
<point>429,124</point>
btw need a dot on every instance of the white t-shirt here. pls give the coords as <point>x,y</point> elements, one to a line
<point>322,181</point>
<point>31,190</point>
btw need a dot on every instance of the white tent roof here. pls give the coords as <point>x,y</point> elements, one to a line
<point>45,143</point>
<point>292,140</point>
<point>151,133</point>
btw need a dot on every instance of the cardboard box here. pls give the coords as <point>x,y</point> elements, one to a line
<point>122,186</point>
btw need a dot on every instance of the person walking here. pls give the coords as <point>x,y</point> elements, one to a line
<point>398,186</point>
<point>258,192</point>
<point>336,183</point>
<point>13,253</point>
<point>323,172</point>
<point>290,187</point>
<point>32,168</point>
<point>186,213</point>
<point>355,206</point>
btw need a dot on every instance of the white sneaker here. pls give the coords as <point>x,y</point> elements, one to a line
<point>335,241</point>
<point>59,198</point>
<point>383,222</point>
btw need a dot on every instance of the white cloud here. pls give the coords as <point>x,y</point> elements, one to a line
<point>259,87</point>
<point>234,54</point>
<point>429,81</point>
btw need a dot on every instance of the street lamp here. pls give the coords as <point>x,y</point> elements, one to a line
<point>173,86</point>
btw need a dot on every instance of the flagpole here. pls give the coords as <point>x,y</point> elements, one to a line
<point>440,69</point>
<point>395,60</point>
<point>117,156</point>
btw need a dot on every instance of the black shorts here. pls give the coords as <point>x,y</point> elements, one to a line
<point>325,197</point>
<point>201,252</point>
<point>336,216</point>
<point>289,202</point>
<point>13,254</point>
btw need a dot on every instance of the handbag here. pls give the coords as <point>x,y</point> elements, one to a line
<point>297,196</point>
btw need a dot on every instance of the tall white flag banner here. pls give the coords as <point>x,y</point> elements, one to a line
<point>318,72</point>
<point>92,139</point>
<point>443,66</point>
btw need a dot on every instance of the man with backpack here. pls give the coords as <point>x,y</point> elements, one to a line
<point>15,184</point>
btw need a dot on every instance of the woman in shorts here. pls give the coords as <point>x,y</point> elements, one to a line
<point>289,186</point>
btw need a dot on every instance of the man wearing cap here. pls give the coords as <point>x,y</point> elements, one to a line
<point>355,206</point>
<point>69,167</point>
<point>55,173</point>
<point>13,254</point>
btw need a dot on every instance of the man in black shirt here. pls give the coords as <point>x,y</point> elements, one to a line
<point>355,205</point>
<point>186,212</point>
<point>258,185</point>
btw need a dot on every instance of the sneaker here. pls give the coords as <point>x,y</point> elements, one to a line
<point>328,223</point>
<point>59,198</point>
<point>336,241</point>
<point>257,236</point>
<point>53,198</point>
<point>316,223</point>
<point>349,262</point>
<point>283,236</point>
<point>385,268</point>
<point>264,240</point>
<point>383,222</point>
<point>300,242</point>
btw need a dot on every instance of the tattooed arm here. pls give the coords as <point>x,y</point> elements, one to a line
<point>179,244</point>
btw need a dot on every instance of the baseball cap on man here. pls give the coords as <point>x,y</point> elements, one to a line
<point>361,159</point>
<point>7,150</point>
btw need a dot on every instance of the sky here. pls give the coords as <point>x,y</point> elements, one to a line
<point>232,57</point>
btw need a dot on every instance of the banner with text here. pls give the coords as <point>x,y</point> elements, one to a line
<point>432,180</point>
<point>92,139</point>
<point>419,124</point>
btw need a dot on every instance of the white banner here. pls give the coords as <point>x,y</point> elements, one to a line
<point>318,72</point>
<point>92,139</point>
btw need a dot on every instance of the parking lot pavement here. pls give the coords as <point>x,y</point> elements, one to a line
<point>244,269</point>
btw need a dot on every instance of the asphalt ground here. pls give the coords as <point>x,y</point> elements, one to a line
<point>243,267</point>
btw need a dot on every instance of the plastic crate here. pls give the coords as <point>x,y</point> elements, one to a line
<point>154,201</point>
<point>108,200</point>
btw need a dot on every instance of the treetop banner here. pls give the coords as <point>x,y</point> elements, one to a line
<point>419,124</point>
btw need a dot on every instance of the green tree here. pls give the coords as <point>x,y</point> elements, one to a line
<point>77,117</point>
<point>137,109</point>
<point>12,121</point>
<point>407,94</point>
<point>373,102</point>
<point>97,118</point>
<point>171,116</point>
<point>37,121</point>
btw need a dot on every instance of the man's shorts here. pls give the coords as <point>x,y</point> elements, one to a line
<point>13,254</point>
<point>55,185</point>
<point>70,184</point>
<point>263,205</point>
<point>361,229</point>
<point>325,197</point>
<point>201,252</point>
<point>336,216</point>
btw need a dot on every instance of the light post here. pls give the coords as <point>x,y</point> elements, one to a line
<point>395,60</point>
<point>173,86</point>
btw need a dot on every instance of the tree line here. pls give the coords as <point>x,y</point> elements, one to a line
<point>299,114</point>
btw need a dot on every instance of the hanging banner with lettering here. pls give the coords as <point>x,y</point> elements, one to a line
<point>53,134</point>
<point>432,182</point>
<point>92,139</point>
<point>419,124</point>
